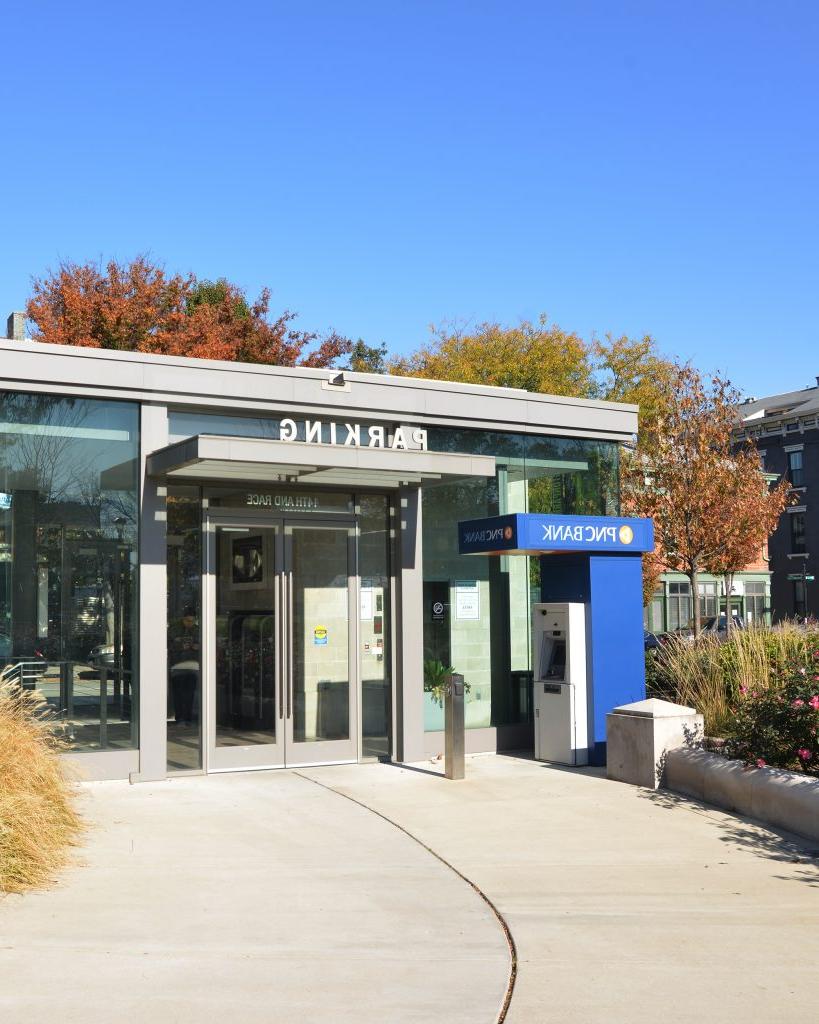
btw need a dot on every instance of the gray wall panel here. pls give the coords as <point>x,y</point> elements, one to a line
<point>298,390</point>
<point>153,627</point>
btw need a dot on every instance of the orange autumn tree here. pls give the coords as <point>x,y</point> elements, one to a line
<point>138,307</point>
<point>706,492</point>
<point>754,513</point>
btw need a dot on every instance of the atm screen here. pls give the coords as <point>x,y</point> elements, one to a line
<point>552,658</point>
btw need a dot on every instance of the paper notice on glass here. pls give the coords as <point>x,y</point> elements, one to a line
<point>366,604</point>
<point>467,599</point>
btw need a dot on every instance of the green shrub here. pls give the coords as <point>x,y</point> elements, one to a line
<point>778,726</point>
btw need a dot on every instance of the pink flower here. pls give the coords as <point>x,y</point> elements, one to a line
<point>804,753</point>
<point>798,703</point>
<point>743,690</point>
<point>814,702</point>
<point>802,672</point>
<point>760,762</point>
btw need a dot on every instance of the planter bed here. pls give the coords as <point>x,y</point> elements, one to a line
<point>780,798</point>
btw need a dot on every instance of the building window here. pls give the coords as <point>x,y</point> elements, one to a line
<point>708,600</point>
<point>797,532</point>
<point>657,608</point>
<point>68,561</point>
<point>679,605</point>
<point>755,602</point>
<point>795,473</point>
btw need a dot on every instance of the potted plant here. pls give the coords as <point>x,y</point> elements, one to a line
<point>436,680</point>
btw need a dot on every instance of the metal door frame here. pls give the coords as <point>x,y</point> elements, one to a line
<point>281,753</point>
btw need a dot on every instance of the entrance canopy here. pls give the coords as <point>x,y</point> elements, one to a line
<point>530,533</point>
<point>235,459</point>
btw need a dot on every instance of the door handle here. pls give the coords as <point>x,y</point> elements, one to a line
<point>290,631</point>
<point>280,638</point>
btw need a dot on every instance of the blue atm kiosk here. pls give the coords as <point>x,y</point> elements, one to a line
<point>595,561</point>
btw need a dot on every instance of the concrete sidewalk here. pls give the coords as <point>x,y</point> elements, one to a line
<point>249,898</point>
<point>626,906</point>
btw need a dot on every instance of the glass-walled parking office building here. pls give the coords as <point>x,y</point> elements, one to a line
<point>212,567</point>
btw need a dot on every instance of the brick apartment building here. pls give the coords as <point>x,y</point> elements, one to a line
<point>785,430</point>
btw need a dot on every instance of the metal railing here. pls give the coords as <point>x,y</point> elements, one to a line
<point>41,674</point>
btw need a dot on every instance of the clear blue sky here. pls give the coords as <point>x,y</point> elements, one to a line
<point>625,167</point>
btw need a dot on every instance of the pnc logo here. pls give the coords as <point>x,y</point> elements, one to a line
<point>507,533</point>
<point>626,534</point>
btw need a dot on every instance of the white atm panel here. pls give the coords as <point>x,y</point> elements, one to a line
<point>560,683</point>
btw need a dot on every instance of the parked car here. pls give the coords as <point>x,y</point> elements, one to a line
<point>102,656</point>
<point>719,624</point>
<point>650,641</point>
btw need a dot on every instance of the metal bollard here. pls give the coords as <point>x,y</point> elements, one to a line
<point>454,737</point>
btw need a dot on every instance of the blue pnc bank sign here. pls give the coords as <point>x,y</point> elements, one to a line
<point>531,533</point>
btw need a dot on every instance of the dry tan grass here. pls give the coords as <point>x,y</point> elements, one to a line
<point>695,678</point>
<point>38,820</point>
<point>709,674</point>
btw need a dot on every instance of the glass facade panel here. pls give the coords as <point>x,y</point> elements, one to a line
<point>184,638</point>
<point>68,561</point>
<point>246,644</point>
<point>320,662</point>
<point>375,657</point>
<point>477,608</point>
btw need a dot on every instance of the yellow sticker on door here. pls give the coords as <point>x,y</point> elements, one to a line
<point>320,636</point>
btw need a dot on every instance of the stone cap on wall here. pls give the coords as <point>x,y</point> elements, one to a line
<point>654,708</point>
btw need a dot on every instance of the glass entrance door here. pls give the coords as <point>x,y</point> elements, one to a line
<point>281,676</point>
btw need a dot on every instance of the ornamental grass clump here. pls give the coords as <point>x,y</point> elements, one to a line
<point>778,727</point>
<point>38,821</point>
<point>711,673</point>
<point>693,674</point>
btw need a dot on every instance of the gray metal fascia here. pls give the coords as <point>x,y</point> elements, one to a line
<point>198,383</point>
<point>183,453</point>
<point>207,447</point>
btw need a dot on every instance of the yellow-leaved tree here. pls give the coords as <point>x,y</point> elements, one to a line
<point>537,357</point>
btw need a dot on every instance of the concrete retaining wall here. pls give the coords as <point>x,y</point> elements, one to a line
<point>783,799</point>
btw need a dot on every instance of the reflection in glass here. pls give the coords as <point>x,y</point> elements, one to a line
<point>245,636</point>
<point>486,637</point>
<point>321,668</point>
<point>68,561</point>
<point>184,534</point>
